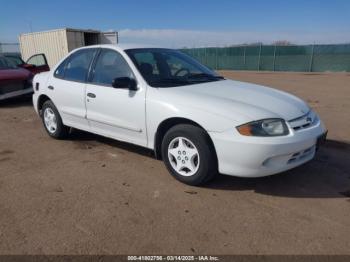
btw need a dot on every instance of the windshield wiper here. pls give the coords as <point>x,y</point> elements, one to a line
<point>172,80</point>
<point>204,76</point>
<point>169,82</point>
<point>192,79</point>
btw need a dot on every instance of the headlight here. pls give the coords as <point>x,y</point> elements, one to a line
<point>265,127</point>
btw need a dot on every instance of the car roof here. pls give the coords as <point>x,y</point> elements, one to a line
<point>120,47</point>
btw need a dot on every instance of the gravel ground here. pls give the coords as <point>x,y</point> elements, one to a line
<point>93,195</point>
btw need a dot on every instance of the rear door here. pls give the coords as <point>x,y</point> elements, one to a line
<point>114,112</point>
<point>67,87</point>
<point>37,64</point>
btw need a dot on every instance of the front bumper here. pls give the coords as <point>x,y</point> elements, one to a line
<point>246,156</point>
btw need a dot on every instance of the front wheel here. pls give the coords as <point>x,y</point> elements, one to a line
<point>188,154</point>
<point>53,122</point>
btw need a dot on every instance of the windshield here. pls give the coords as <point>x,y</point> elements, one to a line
<point>6,63</point>
<point>167,67</point>
<point>15,59</point>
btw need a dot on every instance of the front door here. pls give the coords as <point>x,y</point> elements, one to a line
<point>113,112</point>
<point>37,64</point>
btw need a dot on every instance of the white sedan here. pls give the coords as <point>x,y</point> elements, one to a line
<point>198,122</point>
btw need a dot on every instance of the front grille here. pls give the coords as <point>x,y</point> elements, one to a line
<point>301,155</point>
<point>302,126</point>
<point>304,121</point>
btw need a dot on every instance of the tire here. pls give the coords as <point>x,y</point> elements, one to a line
<point>55,128</point>
<point>196,169</point>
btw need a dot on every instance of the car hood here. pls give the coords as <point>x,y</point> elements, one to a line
<point>238,100</point>
<point>14,74</point>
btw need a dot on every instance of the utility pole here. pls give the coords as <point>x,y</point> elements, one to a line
<point>244,58</point>
<point>259,56</point>
<point>274,58</point>
<point>312,58</point>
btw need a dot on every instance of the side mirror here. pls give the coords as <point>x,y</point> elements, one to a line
<point>125,82</point>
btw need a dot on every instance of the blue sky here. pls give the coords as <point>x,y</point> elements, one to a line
<point>186,23</point>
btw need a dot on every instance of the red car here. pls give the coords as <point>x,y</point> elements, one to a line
<point>35,64</point>
<point>16,79</point>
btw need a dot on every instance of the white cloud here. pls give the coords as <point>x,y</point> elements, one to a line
<point>193,38</point>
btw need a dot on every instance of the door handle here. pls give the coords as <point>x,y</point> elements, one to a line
<point>51,87</point>
<point>91,95</point>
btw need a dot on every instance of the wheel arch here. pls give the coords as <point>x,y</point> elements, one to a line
<point>166,124</point>
<point>41,100</point>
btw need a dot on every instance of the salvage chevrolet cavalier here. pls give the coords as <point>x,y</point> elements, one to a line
<point>198,122</point>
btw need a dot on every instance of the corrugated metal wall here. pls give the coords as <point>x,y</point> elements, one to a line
<point>56,44</point>
<point>75,39</point>
<point>51,43</point>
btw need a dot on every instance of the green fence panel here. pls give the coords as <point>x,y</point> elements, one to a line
<point>235,58</point>
<point>293,58</point>
<point>331,58</point>
<point>306,58</point>
<point>252,54</point>
<point>267,60</point>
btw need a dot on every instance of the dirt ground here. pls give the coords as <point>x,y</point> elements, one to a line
<point>92,195</point>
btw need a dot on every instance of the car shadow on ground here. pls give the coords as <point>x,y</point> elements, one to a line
<point>326,176</point>
<point>85,139</point>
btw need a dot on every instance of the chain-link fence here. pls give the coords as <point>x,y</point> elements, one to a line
<point>306,58</point>
<point>9,48</point>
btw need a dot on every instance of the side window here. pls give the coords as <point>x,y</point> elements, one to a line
<point>77,66</point>
<point>37,60</point>
<point>110,65</point>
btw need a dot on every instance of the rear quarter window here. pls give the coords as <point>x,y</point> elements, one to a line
<point>76,66</point>
<point>59,72</point>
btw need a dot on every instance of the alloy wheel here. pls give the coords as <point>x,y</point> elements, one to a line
<point>183,156</point>
<point>50,120</point>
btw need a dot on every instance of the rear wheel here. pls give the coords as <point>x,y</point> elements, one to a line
<point>53,122</point>
<point>188,154</point>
